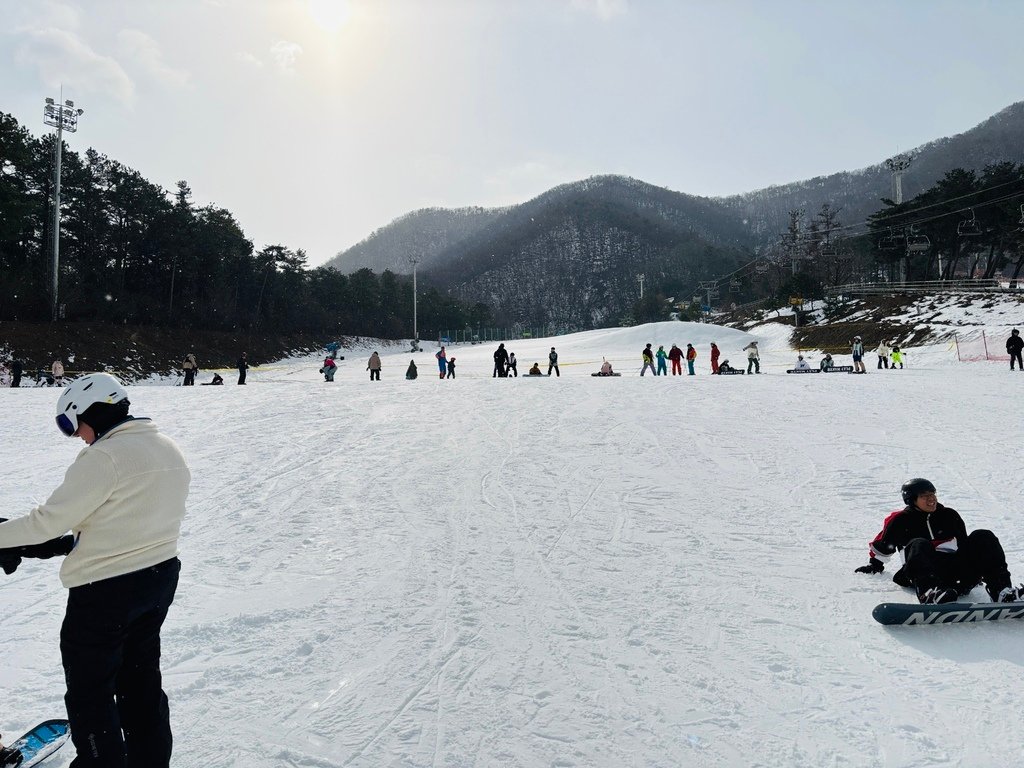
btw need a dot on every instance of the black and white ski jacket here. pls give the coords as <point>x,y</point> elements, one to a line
<point>944,528</point>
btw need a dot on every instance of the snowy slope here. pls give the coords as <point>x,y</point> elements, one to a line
<point>564,572</point>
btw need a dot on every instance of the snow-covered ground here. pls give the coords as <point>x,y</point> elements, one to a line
<point>556,572</point>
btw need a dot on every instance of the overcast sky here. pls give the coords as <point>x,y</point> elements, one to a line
<point>317,121</point>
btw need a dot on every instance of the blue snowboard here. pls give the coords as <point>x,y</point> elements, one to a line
<point>912,614</point>
<point>42,741</point>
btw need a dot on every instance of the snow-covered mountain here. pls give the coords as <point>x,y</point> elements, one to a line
<point>554,572</point>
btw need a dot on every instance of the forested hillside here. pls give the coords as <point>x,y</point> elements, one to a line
<point>132,253</point>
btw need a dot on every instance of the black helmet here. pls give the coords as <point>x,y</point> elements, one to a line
<point>914,488</point>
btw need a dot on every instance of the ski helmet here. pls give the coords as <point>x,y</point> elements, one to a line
<point>914,488</point>
<point>83,393</point>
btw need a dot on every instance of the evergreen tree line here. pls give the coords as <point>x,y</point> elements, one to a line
<point>132,253</point>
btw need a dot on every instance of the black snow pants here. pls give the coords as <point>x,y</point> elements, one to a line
<point>1016,356</point>
<point>980,560</point>
<point>110,648</point>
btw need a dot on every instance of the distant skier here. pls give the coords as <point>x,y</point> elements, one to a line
<point>753,357</point>
<point>897,358</point>
<point>190,368</point>
<point>451,368</point>
<point>329,368</point>
<point>676,356</point>
<point>648,357</point>
<point>512,365</point>
<point>1014,345</point>
<point>552,363</point>
<point>243,366</point>
<point>715,353</point>
<point>857,350</point>
<point>411,372</point>
<point>500,362</point>
<point>661,356</point>
<point>941,561</point>
<point>691,359</point>
<point>442,361</point>
<point>58,373</point>
<point>883,353</point>
<point>373,366</point>
<point>17,369</point>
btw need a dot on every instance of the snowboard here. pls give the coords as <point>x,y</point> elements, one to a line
<point>733,372</point>
<point>41,742</point>
<point>838,369</point>
<point>605,375</point>
<point>804,370</point>
<point>910,614</point>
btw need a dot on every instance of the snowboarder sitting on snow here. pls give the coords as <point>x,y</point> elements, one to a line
<point>724,367</point>
<point>606,368</point>
<point>411,373</point>
<point>801,364</point>
<point>941,561</point>
<point>535,370</point>
<point>826,362</point>
<point>217,380</point>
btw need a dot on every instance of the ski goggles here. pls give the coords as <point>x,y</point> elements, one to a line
<point>67,425</point>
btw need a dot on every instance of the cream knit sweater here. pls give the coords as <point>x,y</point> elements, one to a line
<point>123,498</point>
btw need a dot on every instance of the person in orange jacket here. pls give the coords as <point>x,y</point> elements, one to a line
<point>691,358</point>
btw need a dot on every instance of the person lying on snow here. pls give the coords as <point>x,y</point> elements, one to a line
<point>940,560</point>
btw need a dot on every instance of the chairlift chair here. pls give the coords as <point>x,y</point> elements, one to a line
<point>889,243</point>
<point>968,227</point>
<point>917,243</point>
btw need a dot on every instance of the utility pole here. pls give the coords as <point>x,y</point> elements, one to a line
<point>414,260</point>
<point>640,277</point>
<point>63,117</point>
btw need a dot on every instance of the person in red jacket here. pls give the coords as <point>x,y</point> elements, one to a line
<point>676,356</point>
<point>715,353</point>
<point>941,561</point>
<point>691,358</point>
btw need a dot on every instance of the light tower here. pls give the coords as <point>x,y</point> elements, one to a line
<point>63,117</point>
<point>414,260</point>
<point>640,278</point>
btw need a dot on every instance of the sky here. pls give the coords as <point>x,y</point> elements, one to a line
<point>318,121</point>
<point>535,572</point>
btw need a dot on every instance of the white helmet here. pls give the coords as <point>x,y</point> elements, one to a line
<point>84,392</point>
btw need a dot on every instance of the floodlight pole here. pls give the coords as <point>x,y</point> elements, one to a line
<point>897,166</point>
<point>63,117</point>
<point>414,260</point>
<point>640,278</point>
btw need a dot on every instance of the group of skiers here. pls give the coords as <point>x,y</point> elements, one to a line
<point>190,367</point>
<point>886,355</point>
<point>51,377</point>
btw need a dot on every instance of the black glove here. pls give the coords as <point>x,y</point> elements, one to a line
<point>874,566</point>
<point>10,758</point>
<point>9,561</point>
<point>60,546</point>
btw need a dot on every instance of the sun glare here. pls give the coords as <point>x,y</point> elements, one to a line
<point>329,15</point>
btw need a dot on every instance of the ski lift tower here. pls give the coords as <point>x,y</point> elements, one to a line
<point>898,166</point>
<point>640,278</point>
<point>63,117</point>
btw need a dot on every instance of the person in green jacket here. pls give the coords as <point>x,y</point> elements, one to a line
<point>662,355</point>
<point>897,358</point>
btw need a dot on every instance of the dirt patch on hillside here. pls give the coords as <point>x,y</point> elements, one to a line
<point>135,352</point>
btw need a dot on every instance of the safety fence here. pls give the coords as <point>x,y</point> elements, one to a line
<point>977,346</point>
<point>926,286</point>
<point>482,335</point>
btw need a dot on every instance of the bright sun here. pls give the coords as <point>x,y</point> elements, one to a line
<point>329,15</point>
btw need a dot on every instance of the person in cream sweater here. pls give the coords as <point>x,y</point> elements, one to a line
<point>123,499</point>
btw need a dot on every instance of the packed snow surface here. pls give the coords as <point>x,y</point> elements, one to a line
<point>566,571</point>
